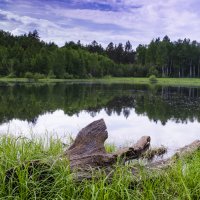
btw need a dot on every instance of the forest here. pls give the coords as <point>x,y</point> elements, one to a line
<point>28,56</point>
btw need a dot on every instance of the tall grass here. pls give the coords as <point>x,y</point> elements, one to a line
<point>53,179</point>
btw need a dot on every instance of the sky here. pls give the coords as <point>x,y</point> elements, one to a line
<point>138,21</point>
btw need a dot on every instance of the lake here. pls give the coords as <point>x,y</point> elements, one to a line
<point>170,115</point>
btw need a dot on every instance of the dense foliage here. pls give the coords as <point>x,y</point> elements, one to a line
<point>170,59</point>
<point>28,56</point>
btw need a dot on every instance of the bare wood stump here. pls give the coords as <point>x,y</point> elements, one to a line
<point>88,148</point>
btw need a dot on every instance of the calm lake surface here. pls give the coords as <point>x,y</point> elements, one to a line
<point>170,115</point>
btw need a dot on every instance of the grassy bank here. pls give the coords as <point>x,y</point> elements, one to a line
<point>55,181</point>
<point>160,81</point>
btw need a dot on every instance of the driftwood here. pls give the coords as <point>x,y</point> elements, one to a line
<point>151,153</point>
<point>88,148</point>
<point>88,153</point>
<point>188,149</point>
<point>181,152</point>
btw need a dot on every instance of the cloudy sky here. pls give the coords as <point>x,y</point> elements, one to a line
<point>102,20</point>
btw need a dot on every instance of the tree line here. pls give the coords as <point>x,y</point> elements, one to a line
<point>170,59</point>
<point>26,56</point>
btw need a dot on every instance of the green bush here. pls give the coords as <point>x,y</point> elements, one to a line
<point>108,76</point>
<point>153,71</point>
<point>153,79</point>
<point>11,75</point>
<point>68,76</point>
<point>51,75</point>
<point>39,76</point>
<point>29,75</point>
<point>90,75</point>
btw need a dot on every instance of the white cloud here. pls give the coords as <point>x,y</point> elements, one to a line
<point>155,18</point>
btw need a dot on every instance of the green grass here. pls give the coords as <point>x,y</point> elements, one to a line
<point>160,81</point>
<point>26,80</point>
<point>54,180</point>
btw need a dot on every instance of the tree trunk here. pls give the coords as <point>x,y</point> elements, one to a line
<point>182,69</point>
<point>167,71</point>
<point>190,68</point>
<point>194,73</point>
<point>88,148</point>
<point>170,68</point>
<point>163,72</point>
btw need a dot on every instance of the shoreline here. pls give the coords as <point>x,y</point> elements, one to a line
<point>190,82</point>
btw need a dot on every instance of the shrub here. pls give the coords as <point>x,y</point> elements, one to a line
<point>153,79</point>
<point>39,76</point>
<point>68,76</point>
<point>108,76</point>
<point>153,71</point>
<point>90,75</point>
<point>11,75</point>
<point>51,75</point>
<point>29,75</point>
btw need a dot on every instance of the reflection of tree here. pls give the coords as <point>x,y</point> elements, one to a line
<point>27,102</point>
<point>126,112</point>
<point>172,103</point>
<point>120,105</point>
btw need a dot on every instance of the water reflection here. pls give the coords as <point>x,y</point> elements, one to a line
<point>121,130</point>
<point>170,115</point>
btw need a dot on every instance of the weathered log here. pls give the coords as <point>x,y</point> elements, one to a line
<point>90,140</point>
<point>134,152</point>
<point>188,149</point>
<point>181,152</point>
<point>88,148</point>
<point>151,153</point>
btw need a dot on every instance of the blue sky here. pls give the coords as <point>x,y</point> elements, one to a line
<point>102,20</point>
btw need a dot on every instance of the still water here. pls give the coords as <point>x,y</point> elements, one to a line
<point>170,115</point>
